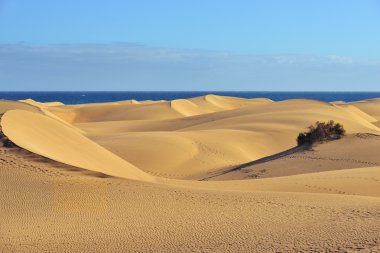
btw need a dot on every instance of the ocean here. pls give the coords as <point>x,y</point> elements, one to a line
<point>80,97</point>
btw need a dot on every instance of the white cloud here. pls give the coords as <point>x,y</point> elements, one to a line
<point>340,59</point>
<point>131,66</point>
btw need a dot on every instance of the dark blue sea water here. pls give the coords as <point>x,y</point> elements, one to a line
<point>107,96</point>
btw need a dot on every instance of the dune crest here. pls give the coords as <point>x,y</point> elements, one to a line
<point>6,105</point>
<point>151,110</point>
<point>39,104</point>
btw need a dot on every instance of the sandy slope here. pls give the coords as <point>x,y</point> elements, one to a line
<point>62,210</point>
<point>370,107</point>
<point>50,138</point>
<point>207,143</point>
<point>326,199</point>
<point>353,151</point>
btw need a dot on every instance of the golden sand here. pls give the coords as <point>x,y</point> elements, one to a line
<point>167,176</point>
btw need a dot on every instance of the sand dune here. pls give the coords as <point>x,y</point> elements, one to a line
<point>370,107</point>
<point>359,181</point>
<point>156,110</point>
<point>52,139</point>
<point>362,181</point>
<point>39,104</point>
<point>210,142</point>
<point>104,177</point>
<point>213,103</point>
<point>6,105</point>
<point>353,151</point>
<point>206,134</point>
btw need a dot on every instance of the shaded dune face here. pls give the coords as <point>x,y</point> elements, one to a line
<point>51,138</point>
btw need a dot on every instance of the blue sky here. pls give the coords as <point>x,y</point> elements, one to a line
<point>190,45</point>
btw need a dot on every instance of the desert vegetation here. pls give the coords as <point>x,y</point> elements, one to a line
<point>320,132</point>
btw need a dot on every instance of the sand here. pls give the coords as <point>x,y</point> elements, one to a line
<point>49,138</point>
<point>206,174</point>
<point>206,143</point>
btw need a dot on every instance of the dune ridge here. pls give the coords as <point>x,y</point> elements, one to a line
<point>158,176</point>
<point>203,144</point>
<point>191,130</point>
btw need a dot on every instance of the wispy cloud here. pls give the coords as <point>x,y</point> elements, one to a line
<point>340,59</point>
<point>133,66</point>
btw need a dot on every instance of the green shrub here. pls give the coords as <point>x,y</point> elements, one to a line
<point>320,132</point>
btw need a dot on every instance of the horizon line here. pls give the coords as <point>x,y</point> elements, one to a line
<point>259,91</point>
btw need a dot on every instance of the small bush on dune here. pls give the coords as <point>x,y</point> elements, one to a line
<point>320,132</point>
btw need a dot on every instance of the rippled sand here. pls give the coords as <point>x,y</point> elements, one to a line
<point>166,176</point>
